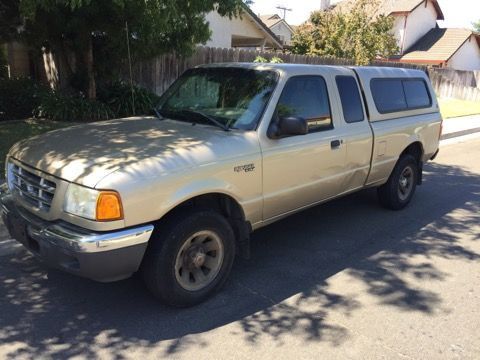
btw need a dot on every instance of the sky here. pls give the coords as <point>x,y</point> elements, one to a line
<point>458,13</point>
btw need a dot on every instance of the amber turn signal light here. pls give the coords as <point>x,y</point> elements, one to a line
<point>109,206</point>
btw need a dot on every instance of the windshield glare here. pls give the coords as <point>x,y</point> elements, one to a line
<point>235,97</point>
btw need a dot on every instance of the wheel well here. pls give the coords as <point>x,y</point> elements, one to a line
<point>415,149</point>
<point>226,206</point>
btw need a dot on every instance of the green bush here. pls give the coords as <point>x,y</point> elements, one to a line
<point>55,106</point>
<point>3,64</point>
<point>118,97</point>
<point>19,97</point>
<point>22,98</point>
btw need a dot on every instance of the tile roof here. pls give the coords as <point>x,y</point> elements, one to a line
<point>270,20</point>
<point>388,7</point>
<point>438,45</point>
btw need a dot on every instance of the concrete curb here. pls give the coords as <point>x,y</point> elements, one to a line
<point>459,133</point>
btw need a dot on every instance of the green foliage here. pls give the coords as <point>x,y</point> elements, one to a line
<point>273,60</point>
<point>260,59</point>
<point>19,98</point>
<point>476,26</point>
<point>355,35</point>
<point>118,97</point>
<point>89,37</point>
<point>3,64</point>
<point>58,107</point>
<point>22,98</point>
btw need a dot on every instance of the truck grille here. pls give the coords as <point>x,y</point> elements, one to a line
<point>35,190</point>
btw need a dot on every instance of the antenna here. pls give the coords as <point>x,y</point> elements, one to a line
<point>284,9</point>
<point>130,66</point>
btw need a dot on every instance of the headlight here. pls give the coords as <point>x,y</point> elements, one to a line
<point>93,204</point>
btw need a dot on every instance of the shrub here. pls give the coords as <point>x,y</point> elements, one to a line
<point>22,98</point>
<point>55,106</point>
<point>118,97</point>
<point>273,60</point>
<point>260,59</point>
<point>276,60</point>
<point>3,64</point>
<point>19,97</point>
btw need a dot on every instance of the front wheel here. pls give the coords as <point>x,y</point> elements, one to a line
<point>400,187</point>
<point>190,258</point>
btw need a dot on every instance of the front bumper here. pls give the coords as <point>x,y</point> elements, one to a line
<point>100,256</point>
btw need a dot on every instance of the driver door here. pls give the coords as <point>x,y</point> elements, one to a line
<point>302,170</point>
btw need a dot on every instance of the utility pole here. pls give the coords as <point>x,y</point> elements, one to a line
<point>284,9</point>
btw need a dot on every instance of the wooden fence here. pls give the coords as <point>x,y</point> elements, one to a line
<point>445,87</point>
<point>158,74</point>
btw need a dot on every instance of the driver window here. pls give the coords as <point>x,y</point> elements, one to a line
<point>306,97</point>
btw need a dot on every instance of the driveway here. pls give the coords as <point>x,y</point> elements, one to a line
<point>344,280</point>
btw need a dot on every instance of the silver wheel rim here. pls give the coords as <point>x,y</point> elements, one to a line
<point>199,260</point>
<point>405,183</point>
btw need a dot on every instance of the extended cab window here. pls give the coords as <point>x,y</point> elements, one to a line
<point>392,95</point>
<point>350,98</point>
<point>307,97</point>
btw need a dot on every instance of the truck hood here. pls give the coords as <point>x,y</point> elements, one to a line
<point>85,154</point>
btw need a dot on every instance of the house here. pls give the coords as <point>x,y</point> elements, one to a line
<point>447,48</point>
<point>244,31</point>
<point>419,38</point>
<point>279,27</point>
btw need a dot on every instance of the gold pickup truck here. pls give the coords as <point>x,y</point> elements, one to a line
<point>232,148</point>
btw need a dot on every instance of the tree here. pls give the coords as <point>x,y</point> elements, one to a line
<point>354,35</point>
<point>89,37</point>
<point>476,26</point>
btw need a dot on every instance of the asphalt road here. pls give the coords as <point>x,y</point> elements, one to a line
<point>347,279</point>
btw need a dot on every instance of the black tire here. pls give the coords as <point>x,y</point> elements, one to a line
<point>390,194</point>
<point>159,265</point>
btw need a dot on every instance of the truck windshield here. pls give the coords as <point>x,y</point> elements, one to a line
<point>233,97</point>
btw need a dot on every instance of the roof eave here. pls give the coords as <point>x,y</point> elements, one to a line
<point>260,23</point>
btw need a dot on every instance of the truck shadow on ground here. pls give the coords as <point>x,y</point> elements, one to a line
<point>283,289</point>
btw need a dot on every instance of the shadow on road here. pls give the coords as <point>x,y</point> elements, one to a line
<point>54,314</point>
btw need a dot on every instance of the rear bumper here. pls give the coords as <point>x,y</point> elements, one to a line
<point>98,256</point>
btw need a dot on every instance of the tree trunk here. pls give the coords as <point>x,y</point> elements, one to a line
<point>92,87</point>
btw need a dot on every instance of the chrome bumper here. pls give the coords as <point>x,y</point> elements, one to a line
<point>99,256</point>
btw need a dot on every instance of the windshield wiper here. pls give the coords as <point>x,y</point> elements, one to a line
<point>205,116</point>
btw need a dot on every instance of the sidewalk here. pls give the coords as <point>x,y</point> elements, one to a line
<point>460,126</point>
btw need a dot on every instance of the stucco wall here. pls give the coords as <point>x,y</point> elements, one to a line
<point>223,29</point>
<point>399,29</point>
<point>467,57</point>
<point>419,22</point>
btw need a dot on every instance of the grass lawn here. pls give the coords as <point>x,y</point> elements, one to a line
<point>453,107</point>
<point>13,131</point>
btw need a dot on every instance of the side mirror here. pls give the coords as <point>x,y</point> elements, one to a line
<point>287,126</point>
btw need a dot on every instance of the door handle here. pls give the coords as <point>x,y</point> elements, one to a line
<point>335,144</point>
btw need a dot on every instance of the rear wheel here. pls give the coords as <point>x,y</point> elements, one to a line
<point>400,187</point>
<point>189,258</point>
